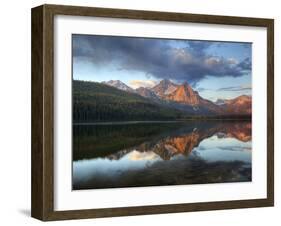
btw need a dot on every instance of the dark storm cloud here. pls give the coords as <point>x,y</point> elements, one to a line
<point>199,47</point>
<point>158,58</point>
<point>245,65</point>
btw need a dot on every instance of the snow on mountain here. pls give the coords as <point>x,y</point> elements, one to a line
<point>119,85</point>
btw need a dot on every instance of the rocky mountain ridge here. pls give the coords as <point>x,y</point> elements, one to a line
<point>184,97</point>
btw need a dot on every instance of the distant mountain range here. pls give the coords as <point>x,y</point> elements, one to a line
<point>115,101</point>
<point>184,98</point>
<point>238,105</point>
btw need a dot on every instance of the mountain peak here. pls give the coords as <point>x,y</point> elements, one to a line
<point>164,87</point>
<point>145,92</point>
<point>185,94</point>
<point>239,105</point>
<point>241,99</point>
<point>165,80</point>
<point>246,97</point>
<point>185,83</point>
<point>119,85</point>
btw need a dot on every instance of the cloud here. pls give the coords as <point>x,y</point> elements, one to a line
<point>157,57</point>
<point>142,83</point>
<point>245,64</point>
<point>199,47</point>
<point>232,61</point>
<point>236,88</point>
<point>141,156</point>
<point>202,89</point>
<point>235,148</point>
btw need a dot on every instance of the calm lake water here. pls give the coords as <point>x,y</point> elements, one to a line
<point>153,154</point>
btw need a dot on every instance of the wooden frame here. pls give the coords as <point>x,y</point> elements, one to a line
<point>43,119</point>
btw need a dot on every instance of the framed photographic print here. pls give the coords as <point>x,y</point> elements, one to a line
<point>141,112</point>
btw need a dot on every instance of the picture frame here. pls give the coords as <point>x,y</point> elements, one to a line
<point>43,107</point>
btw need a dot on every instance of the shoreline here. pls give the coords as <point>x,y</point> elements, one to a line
<point>153,121</point>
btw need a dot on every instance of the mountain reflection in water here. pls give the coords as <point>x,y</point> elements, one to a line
<point>154,154</point>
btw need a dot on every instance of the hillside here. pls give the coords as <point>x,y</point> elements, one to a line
<point>238,105</point>
<point>93,102</point>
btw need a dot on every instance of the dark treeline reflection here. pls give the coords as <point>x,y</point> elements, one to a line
<point>148,154</point>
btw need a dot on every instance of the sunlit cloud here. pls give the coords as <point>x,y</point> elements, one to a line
<point>142,83</point>
<point>232,61</point>
<point>140,156</point>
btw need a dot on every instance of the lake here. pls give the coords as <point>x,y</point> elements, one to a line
<point>130,154</point>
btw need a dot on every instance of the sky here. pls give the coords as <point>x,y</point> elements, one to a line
<point>216,69</point>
